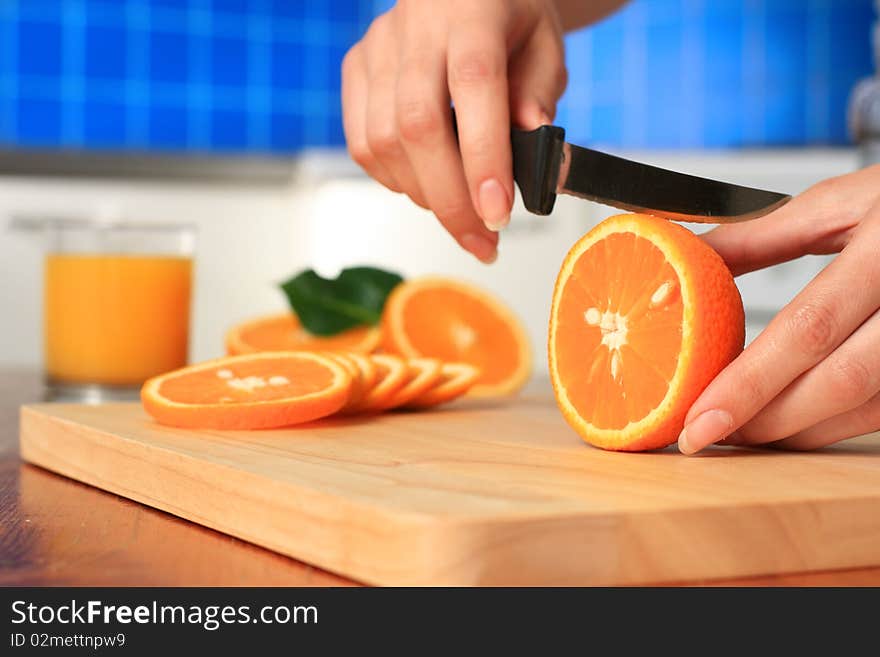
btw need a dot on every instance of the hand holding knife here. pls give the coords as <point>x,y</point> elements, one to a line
<point>502,58</point>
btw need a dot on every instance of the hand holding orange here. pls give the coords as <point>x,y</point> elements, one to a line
<point>644,316</point>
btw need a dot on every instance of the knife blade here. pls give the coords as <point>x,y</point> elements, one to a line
<point>545,165</point>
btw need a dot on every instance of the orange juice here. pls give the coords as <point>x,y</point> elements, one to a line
<point>115,319</point>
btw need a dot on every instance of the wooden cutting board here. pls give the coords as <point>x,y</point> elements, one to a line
<point>480,493</point>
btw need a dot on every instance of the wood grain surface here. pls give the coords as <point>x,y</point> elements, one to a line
<point>55,531</point>
<point>482,493</point>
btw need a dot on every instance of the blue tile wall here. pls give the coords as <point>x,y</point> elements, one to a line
<point>262,76</point>
<point>718,73</point>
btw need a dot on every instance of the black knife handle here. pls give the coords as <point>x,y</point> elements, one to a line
<point>537,155</point>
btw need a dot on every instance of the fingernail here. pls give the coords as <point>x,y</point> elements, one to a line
<point>494,205</point>
<point>480,247</point>
<point>707,428</point>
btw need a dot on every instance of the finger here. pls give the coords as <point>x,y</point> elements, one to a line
<point>537,78</point>
<point>856,422</point>
<point>813,325</point>
<point>848,378</point>
<point>382,64</point>
<point>819,221</point>
<point>477,71</point>
<point>425,126</point>
<point>354,117</point>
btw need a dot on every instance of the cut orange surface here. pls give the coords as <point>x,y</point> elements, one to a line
<point>392,374</point>
<point>456,322</point>
<point>455,380</point>
<point>283,332</point>
<point>253,391</point>
<point>424,374</point>
<point>644,316</point>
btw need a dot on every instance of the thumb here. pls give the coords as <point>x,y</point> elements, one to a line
<point>537,78</point>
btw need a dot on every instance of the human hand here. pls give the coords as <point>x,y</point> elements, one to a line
<point>812,377</point>
<point>500,62</point>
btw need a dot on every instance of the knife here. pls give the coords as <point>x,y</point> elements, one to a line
<point>544,165</point>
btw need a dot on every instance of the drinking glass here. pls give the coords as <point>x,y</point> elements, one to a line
<point>116,302</point>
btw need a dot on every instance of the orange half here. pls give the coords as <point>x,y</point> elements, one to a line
<point>644,315</point>
<point>252,391</point>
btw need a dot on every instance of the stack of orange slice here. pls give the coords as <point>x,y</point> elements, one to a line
<point>440,339</point>
<point>277,389</point>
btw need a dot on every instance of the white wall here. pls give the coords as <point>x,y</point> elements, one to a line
<point>247,240</point>
<point>251,238</point>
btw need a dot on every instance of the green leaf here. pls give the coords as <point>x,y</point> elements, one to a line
<point>329,306</point>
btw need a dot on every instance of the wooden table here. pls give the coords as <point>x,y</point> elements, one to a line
<point>55,531</point>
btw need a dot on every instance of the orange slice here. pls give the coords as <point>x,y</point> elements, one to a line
<point>367,368</point>
<point>252,391</point>
<point>424,374</point>
<point>283,332</point>
<point>644,316</point>
<point>366,374</point>
<point>358,386</point>
<point>455,380</point>
<point>392,374</point>
<point>456,322</point>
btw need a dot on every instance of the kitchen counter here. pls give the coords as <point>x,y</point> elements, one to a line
<point>55,531</point>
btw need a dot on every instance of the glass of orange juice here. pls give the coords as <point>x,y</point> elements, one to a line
<point>116,306</point>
